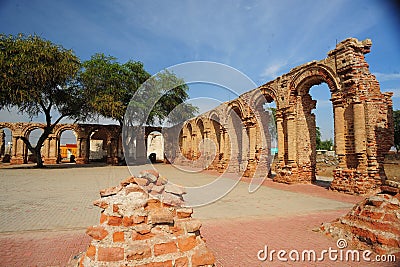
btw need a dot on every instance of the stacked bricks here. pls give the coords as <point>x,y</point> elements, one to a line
<point>373,223</point>
<point>143,223</point>
<point>352,181</point>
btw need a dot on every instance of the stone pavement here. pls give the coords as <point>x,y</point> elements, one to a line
<point>44,214</point>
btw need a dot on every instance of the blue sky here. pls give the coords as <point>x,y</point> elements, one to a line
<point>262,39</point>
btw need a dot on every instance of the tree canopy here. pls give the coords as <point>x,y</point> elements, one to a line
<point>111,85</point>
<point>38,76</point>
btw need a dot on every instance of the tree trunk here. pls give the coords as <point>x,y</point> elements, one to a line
<point>38,155</point>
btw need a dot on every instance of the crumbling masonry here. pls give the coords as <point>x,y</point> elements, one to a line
<point>363,124</point>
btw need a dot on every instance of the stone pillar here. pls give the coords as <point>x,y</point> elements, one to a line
<point>340,143</point>
<point>18,148</point>
<point>252,133</point>
<point>360,134</point>
<point>281,138</point>
<point>140,147</point>
<point>2,142</point>
<point>292,139</point>
<point>82,150</point>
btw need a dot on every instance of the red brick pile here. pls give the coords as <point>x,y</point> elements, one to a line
<point>143,223</point>
<point>373,224</point>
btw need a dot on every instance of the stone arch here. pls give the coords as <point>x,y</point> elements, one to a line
<point>238,136</point>
<point>6,142</point>
<point>303,151</point>
<point>155,146</point>
<point>71,150</point>
<point>363,127</point>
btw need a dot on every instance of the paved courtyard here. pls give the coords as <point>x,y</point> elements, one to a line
<point>44,214</point>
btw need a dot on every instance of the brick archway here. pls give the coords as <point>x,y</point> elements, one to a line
<point>363,123</point>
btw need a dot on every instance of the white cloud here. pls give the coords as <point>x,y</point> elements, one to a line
<point>273,70</point>
<point>387,76</point>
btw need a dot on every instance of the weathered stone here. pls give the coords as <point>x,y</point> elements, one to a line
<point>202,256</point>
<point>174,189</point>
<point>110,191</point>
<point>138,252</point>
<point>97,232</point>
<point>184,212</point>
<point>160,215</point>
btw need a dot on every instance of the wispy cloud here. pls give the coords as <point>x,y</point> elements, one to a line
<point>387,76</point>
<point>274,70</point>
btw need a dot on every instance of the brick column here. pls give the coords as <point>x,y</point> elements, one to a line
<point>292,138</point>
<point>359,134</point>
<point>340,143</point>
<point>281,137</point>
<point>252,133</point>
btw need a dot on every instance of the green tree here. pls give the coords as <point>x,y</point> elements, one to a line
<point>396,124</point>
<point>318,137</point>
<point>111,85</point>
<point>38,76</point>
<point>322,145</point>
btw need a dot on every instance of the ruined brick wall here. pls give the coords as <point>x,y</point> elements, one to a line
<point>362,118</point>
<point>143,224</point>
<point>373,224</point>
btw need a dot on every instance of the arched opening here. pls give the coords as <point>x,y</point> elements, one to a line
<point>155,147</point>
<point>315,101</point>
<point>5,145</point>
<point>189,148</point>
<point>216,128</point>
<point>200,148</point>
<point>266,144</point>
<point>239,141</point>
<point>67,147</point>
<point>33,136</point>
<point>326,160</point>
<point>98,145</point>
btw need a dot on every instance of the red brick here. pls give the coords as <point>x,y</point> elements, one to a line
<point>144,236</point>
<point>141,181</point>
<point>187,243</point>
<point>160,215</point>
<point>184,213</point>
<point>118,237</point>
<point>103,217</point>
<point>91,252</point>
<point>110,254</point>
<point>203,256</point>
<point>127,221</point>
<point>100,203</point>
<point>181,262</point>
<point>115,208</point>
<point>138,252</point>
<point>128,180</point>
<point>139,219</point>
<point>165,248</point>
<point>371,214</point>
<point>97,232</point>
<point>153,203</point>
<point>388,241</point>
<point>110,191</point>
<point>177,231</point>
<point>114,221</point>
<point>157,264</point>
<point>389,217</point>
